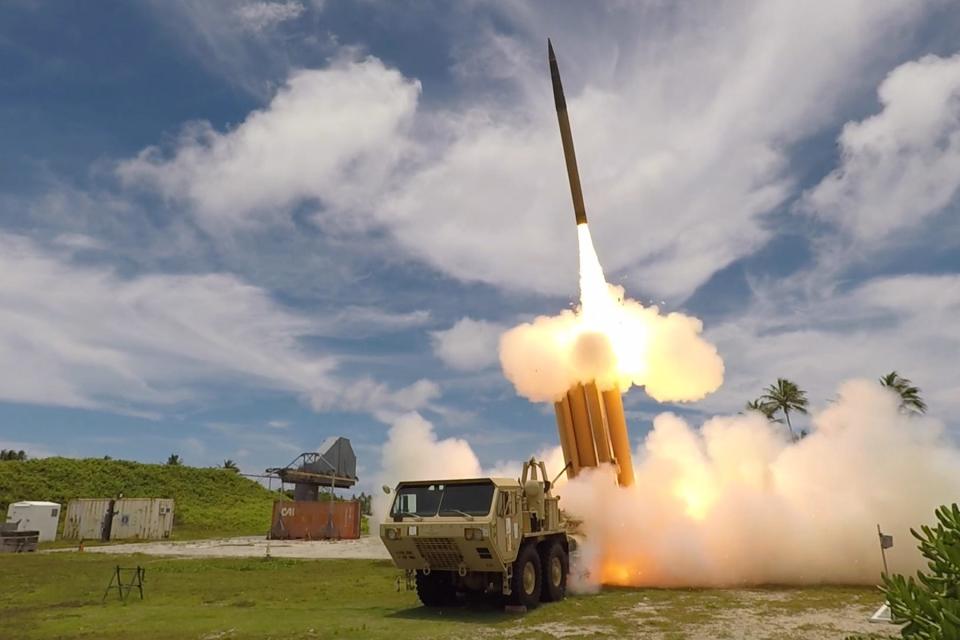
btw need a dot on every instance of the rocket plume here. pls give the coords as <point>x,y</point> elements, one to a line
<point>611,340</point>
<point>737,503</point>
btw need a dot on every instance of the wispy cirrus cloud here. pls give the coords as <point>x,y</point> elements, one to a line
<point>259,16</point>
<point>85,337</point>
<point>683,141</point>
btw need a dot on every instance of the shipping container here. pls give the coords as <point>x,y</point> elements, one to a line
<point>123,519</point>
<point>315,520</point>
<point>85,519</point>
<point>142,519</point>
<point>41,517</point>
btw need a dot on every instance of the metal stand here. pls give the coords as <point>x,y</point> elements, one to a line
<point>124,588</point>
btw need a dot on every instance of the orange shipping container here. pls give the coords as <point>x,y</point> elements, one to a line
<point>300,520</point>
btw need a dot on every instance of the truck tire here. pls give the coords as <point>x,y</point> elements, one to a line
<point>556,564</point>
<point>435,589</point>
<point>527,581</point>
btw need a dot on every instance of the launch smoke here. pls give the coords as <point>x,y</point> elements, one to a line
<point>612,340</point>
<point>735,501</point>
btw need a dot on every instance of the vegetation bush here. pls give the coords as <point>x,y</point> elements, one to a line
<point>928,607</point>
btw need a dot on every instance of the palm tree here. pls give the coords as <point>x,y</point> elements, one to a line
<point>785,396</point>
<point>173,460</point>
<point>767,409</point>
<point>910,400</point>
<point>231,465</point>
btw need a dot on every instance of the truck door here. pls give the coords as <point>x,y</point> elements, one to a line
<point>508,520</point>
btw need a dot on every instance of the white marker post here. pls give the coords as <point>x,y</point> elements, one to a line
<point>886,542</point>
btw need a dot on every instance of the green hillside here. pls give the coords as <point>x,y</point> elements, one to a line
<point>209,502</point>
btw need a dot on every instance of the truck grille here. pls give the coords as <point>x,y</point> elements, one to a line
<point>440,553</point>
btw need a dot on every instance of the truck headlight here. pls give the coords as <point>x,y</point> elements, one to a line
<point>473,534</point>
<point>392,533</point>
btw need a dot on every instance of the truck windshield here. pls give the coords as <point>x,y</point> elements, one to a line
<point>427,500</point>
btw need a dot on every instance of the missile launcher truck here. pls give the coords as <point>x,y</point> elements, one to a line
<point>483,535</point>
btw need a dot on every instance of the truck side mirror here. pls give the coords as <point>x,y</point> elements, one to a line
<point>386,489</point>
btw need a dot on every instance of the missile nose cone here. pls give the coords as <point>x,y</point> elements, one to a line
<point>566,138</point>
<point>559,101</point>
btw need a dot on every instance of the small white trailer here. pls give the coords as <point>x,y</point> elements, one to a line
<point>31,515</point>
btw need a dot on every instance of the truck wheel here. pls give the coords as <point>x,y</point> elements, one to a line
<point>555,568</point>
<point>527,578</point>
<point>435,589</point>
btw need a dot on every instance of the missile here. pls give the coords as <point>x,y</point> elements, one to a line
<point>569,155</point>
<point>590,422</point>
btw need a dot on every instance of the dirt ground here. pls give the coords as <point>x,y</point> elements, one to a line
<point>366,548</point>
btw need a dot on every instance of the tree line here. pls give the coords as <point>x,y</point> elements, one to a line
<point>785,396</point>
<point>10,454</point>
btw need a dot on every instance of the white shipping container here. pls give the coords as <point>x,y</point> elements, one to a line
<point>35,516</point>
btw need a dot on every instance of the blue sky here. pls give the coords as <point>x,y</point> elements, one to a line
<point>232,229</point>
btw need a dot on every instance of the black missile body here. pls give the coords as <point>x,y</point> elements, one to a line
<point>569,155</point>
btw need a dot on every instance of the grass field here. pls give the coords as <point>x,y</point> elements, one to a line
<point>59,596</point>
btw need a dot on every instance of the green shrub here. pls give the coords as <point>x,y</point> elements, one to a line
<point>928,607</point>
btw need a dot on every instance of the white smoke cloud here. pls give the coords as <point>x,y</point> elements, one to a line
<point>543,359</point>
<point>412,451</point>
<point>613,341</point>
<point>736,503</point>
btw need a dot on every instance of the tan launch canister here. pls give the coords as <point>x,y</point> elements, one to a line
<point>598,423</point>
<point>581,426</point>
<point>568,440</point>
<point>619,438</point>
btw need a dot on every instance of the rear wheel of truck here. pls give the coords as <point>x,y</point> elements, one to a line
<point>527,581</point>
<point>436,589</point>
<point>555,568</point>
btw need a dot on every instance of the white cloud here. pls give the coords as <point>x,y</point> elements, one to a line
<point>901,165</point>
<point>357,321</point>
<point>238,40</point>
<point>278,424</point>
<point>469,345</point>
<point>682,133</point>
<point>370,396</point>
<point>907,323</point>
<point>78,242</point>
<point>84,337</point>
<point>259,16</point>
<point>332,136</point>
